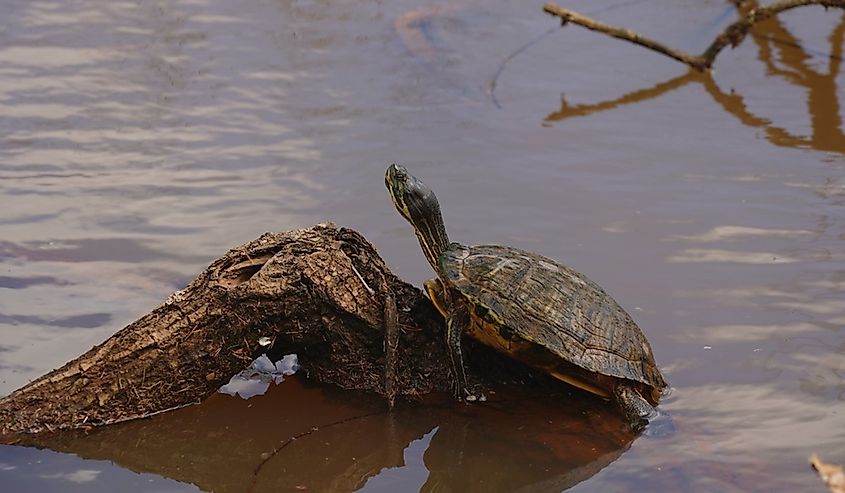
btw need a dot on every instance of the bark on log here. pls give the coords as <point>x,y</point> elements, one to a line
<point>318,292</point>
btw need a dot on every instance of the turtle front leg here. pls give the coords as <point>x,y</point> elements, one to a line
<point>457,321</point>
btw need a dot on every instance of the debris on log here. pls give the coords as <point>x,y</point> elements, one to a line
<point>322,293</point>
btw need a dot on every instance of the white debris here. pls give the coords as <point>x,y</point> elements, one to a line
<point>263,365</point>
<point>288,365</point>
<point>255,379</point>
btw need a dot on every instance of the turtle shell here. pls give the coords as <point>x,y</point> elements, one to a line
<point>546,303</point>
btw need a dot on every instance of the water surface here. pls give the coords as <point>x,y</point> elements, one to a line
<point>142,140</point>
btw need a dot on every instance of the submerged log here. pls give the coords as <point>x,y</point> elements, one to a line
<point>319,292</point>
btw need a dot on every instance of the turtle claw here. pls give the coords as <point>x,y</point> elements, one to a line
<point>464,394</point>
<point>459,392</point>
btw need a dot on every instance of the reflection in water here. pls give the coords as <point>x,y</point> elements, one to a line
<point>89,250</point>
<point>24,470</point>
<point>714,455</point>
<point>142,140</point>
<point>410,476</point>
<point>773,410</point>
<point>731,334</point>
<point>269,443</point>
<point>476,452</point>
<point>721,233</point>
<point>823,106</point>
<point>567,111</point>
<point>720,255</point>
<point>793,64</point>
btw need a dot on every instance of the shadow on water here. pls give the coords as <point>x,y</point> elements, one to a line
<point>270,443</point>
<point>783,56</point>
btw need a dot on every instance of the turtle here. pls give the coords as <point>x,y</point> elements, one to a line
<point>530,308</point>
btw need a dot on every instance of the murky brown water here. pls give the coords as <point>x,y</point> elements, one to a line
<point>142,140</point>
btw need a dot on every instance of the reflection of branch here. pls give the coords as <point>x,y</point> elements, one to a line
<point>734,104</point>
<point>731,103</point>
<point>822,99</point>
<point>732,35</point>
<point>655,91</point>
<point>790,62</point>
<point>266,458</point>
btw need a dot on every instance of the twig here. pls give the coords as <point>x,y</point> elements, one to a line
<point>735,33</point>
<point>831,474</point>
<point>494,81</point>
<point>145,415</point>
<point>361,278</point>
<point>391,343</point>
<point>266,458</point>
<point>567,16</point>
<point>732,35</point>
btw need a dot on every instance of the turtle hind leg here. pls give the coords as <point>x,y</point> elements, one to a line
<point>641,415</point>
<point>635,407</point>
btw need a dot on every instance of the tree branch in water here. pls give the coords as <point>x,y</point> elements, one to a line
<point>732,35</point>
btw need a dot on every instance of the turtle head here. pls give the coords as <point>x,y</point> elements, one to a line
<point>419,206</point>
<point>412,198</point>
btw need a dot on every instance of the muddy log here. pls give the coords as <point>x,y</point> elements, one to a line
<point>322,293</point>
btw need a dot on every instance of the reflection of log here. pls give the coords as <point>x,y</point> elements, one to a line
<point>513,442</point>
<point>224,441</point>
<point>316,292</point>
<point>732,35</point>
